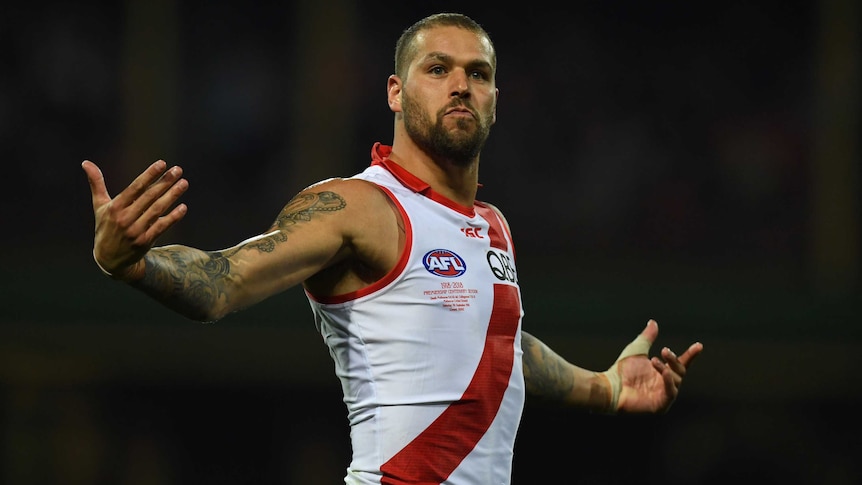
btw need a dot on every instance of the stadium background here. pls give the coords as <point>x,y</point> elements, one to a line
<point>693,163</point>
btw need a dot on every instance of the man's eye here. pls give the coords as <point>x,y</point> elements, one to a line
<point>437,70</point>
<point>478,75</point>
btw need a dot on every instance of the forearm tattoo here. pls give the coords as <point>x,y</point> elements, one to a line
<point>546,374</point>
<point>187,280</point>
<point>193,282</point>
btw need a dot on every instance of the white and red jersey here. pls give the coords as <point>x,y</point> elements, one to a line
<point>429,357</point>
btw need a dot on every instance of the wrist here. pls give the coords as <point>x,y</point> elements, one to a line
<point>129,273</point>
<point>102,268</point>
<point>613,389</point>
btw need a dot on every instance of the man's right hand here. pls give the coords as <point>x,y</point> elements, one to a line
<point>128,225</point>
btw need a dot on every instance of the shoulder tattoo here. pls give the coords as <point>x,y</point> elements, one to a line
<point>301,208</point>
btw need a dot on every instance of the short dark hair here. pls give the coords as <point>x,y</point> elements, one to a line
<point>405,49</point>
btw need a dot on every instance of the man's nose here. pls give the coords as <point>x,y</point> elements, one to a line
<point>460,83</point>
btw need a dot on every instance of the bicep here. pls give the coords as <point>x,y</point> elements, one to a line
<point>308,235</point>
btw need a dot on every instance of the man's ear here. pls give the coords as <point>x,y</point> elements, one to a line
<point>393,93</point>
<point>496,98</point>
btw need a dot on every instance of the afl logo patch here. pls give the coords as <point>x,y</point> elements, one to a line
<point>445,263</point>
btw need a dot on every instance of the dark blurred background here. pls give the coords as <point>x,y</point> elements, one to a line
<point>692,162</point>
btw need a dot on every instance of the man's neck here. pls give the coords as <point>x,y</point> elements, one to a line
<point>454,181</point>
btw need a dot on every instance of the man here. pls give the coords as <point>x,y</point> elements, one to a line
<point>412,281</point>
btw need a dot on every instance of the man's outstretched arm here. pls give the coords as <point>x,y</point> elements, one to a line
<point>207,285</point>
<point>635,383</point>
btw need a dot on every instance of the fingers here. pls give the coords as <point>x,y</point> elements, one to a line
<point>143,208</point>
<point>689,355</point>
<point>678,366</point>
<point>149,185</point>
<point>141,183</point>
<point>673,363</point>
<point>162,223</point>
<point>672,381</point>
<point>151,210</point>
<point>129,224</point>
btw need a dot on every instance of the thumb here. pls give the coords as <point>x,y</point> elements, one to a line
<point>643,342</point>
<point>639,346</point>
<point>98,190</point>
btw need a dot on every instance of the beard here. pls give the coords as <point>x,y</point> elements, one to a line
<point>459,146</point>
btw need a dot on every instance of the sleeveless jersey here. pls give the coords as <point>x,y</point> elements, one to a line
<point>429,357</point>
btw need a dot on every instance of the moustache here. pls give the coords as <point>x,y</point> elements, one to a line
<point>458,103</point>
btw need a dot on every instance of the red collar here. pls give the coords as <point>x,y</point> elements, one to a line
<point>380,156</point>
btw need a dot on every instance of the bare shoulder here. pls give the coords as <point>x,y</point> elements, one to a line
<point>371,212</point>
<point>370,229</point>
<point>340,197</point>
<point>362,212</point>
<point>361,190</point>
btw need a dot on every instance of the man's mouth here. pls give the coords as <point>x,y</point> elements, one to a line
<point>459,111</point>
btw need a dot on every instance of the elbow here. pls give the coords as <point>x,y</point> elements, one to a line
<point>205,318</point>
<point>197,313</point>
<point>207,315</point>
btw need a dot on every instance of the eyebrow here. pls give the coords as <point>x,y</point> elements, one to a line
<point>446,58</point>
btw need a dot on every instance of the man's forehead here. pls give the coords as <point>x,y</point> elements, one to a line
<point>452,41</point>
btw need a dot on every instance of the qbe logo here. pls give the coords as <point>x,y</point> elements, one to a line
<point>445,263</point>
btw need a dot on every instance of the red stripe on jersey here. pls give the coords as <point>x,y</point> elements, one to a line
<point>433,455</point>
<point>495,231</point>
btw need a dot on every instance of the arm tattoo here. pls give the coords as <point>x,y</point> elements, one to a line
<point>300,209</point>
<point>546,374</point>
<point>193,282</point>
<point>187,280</point>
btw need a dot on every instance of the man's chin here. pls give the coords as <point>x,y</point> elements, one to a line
<point>462,133</point>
